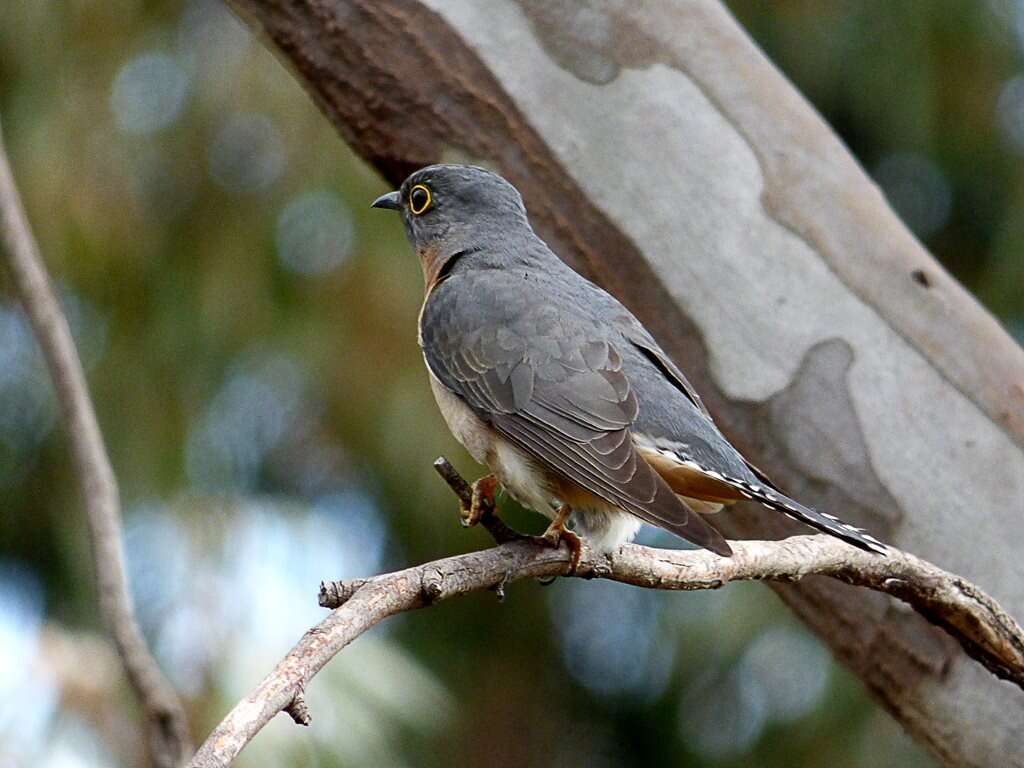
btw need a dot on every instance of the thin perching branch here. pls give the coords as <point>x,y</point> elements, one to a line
<point>982,627</point>
<point>167,728</point>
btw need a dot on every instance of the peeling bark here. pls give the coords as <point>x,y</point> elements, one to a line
<point>663,156</point>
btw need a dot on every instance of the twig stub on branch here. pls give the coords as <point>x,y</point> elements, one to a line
<point>298,710</point>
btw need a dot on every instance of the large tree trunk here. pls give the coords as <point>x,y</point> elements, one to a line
<point>662,155</point>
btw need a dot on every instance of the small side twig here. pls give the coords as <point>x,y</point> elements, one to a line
<point>298,711</point>
<point>336,593</point>
<point>499,588</point>
<point>167,728</point>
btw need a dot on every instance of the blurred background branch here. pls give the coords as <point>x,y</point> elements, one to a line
<point>166,725</point>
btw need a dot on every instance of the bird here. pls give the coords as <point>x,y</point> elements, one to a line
<point>555,386</point>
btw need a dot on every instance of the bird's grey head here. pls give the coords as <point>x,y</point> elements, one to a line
<point>453,207</point>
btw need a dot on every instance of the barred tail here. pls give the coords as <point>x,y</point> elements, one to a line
<point>691,479</point>
<point>823,521</point>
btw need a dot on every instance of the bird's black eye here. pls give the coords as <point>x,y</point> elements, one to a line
<point>419,199</point>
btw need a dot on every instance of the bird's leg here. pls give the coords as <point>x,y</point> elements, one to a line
<point>481,501</point>
<point>557,533</point>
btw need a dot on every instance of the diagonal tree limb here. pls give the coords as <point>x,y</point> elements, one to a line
<point>667,159</point>
<point>983,628</point>
<point>167,728</point>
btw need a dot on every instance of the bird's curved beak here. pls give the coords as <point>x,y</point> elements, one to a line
<point>391,201</point>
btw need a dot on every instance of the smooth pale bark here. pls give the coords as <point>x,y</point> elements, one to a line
<point>661,154</point>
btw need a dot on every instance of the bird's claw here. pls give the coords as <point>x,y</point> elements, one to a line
<point>556,534</point>
<point>481,503</point>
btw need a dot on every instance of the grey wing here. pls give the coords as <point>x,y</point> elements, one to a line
<point>641,338</point>
<point>556,392</point>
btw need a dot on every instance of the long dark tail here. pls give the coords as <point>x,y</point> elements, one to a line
<point>689,478</point>
<point>778,501</point>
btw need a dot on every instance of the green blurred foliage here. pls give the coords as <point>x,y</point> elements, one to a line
<point>928,79</point>
<point>266,408</point>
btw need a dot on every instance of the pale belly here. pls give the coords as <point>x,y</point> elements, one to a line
<point>517,473</point>
<point>475,436</point>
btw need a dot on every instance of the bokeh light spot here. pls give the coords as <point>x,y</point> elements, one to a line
<point>260,401</point>
<point>148,93</point>
<point>314,233</point>
<point>1010,112</point>
<point>28,699</point>
<point>724,718</point>
<point>247,154</point>
<point>790,664</point>
<point>608,635</point>
<point>918,190</point>
<point>211,40</point>
<point>27,407</point>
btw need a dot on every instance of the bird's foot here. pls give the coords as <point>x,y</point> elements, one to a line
<point>481,501</point>
<point>556,533</point>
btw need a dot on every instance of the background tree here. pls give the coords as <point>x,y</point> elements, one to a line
<point>249,403</point>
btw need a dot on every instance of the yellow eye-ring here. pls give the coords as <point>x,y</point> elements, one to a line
<point>419,199</point>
